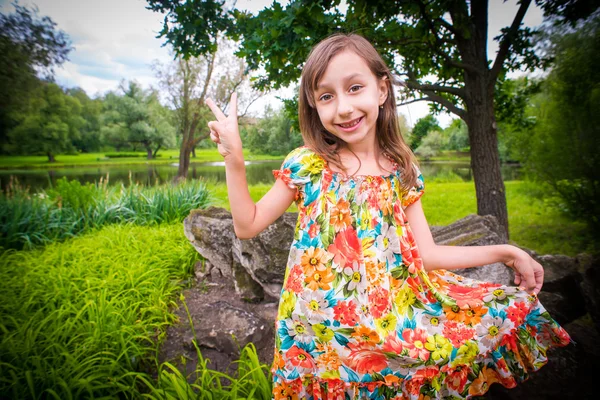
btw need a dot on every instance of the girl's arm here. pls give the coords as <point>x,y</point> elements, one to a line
<point>249,219</point>
<point>528,272</point>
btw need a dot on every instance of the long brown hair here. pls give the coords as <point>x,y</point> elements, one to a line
<point>316,137</point>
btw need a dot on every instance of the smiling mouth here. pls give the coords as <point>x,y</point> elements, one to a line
<point>352,123</point>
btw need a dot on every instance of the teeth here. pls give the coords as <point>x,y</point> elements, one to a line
<point>350,125</point>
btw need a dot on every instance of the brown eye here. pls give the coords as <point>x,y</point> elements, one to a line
<point>355,88</point>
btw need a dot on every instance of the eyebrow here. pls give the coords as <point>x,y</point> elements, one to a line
<point>322,85</point>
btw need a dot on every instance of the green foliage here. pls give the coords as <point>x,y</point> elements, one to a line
<point>457,136</point>
<point>515,116</point>
<point>73,194</point>
<point>48,125</point>
<point>272,135</point>
<point>431,145</point>
<point>28,44</point>
<point>136,118</point>
<point>80,319</point>
<point>565,147</point>
<point>251,380</point>
<point>422,128</point>
<point>71,209</point>
<point>89,139</point>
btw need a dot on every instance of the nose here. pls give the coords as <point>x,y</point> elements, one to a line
<point>344,105</point>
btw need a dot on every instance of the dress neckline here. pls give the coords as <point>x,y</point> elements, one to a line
<point>359,177</point>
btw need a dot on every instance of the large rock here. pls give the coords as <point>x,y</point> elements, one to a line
<point>475,230</point>
<point>211,233</point>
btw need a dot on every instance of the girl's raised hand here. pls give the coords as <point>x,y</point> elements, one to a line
<point>225,131</point>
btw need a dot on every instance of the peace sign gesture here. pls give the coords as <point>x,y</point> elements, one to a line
<point>225,131</point>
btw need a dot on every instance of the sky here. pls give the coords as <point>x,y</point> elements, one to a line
<point>116,39</point>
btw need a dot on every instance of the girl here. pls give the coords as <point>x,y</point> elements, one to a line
<point>368,307</point>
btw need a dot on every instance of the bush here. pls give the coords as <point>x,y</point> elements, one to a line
<point>70,209</point>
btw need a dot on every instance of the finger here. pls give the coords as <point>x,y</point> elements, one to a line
<point>214,137</point>
<point>214,126</point>
<point>233,105</point>
<point>216,110</point>
<point>529,281</point>
<point>539,280</point>
<point>517,279</point>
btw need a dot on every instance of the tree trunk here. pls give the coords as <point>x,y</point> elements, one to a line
<point>184,159</point>
<point>156,151</point>
<point>51,157</point>
<point>148,151</point>
<point>194,152</point>
<point>485,158</point>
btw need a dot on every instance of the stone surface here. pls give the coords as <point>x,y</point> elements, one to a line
<point>475,230</point>
<point>265,256</point>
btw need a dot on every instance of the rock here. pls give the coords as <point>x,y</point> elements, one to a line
<point>475,230</point>
<point>216,316</point>
<point>227,329</point>
<point>561,294</point>
<point>569,373</point>
<point>589,267</point>
<point>211,231</point>
<point>265,256</point>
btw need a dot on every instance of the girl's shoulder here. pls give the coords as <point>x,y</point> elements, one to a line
<point>305,158</point>
<point>301,166</point>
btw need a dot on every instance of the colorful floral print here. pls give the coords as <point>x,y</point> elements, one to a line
<point>359,317</point>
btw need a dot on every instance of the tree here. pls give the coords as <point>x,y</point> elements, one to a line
<point>422,128</point>
<point>50,124</point>
<point>29,46</point>
<point>445,39</point>
<point>136,117</point>
<point>431,145</point>
<point>89,139</point>
<point>565,145</point>
<point>457,135</point>
<point>272,135</point>
<point>188,82</point>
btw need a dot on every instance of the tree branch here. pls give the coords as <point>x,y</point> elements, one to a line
<point>439,44</point>
<point>446,103</point>
<point>505,45</point>
<point>414,101</point>
<point>459,92</point>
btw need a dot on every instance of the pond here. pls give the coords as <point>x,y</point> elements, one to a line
<point>256,172</point>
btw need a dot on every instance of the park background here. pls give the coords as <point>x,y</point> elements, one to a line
<point>101,161</point>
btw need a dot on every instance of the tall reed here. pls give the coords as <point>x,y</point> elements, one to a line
<point>69,209</point>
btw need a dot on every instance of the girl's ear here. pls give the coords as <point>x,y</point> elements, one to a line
<point>383,90</point>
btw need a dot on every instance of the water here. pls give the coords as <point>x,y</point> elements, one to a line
<point>256,172</point>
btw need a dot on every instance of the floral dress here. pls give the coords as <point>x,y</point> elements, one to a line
<point>360,318</point>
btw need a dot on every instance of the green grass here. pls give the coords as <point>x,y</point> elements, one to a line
<point>533,222</point>
<point>69,209</point>
<point>79,317</point>
<point>165,157</point>
<point>84,319</point>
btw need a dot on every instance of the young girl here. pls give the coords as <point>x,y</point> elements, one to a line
<point>368,307</point>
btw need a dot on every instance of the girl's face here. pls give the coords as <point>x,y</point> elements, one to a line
<point>348,98</point>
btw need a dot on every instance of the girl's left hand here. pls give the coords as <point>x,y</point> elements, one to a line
<point>528,272</point>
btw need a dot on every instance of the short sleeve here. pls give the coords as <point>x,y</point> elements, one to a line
<point>415,192</point>
<point>299,167</point>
